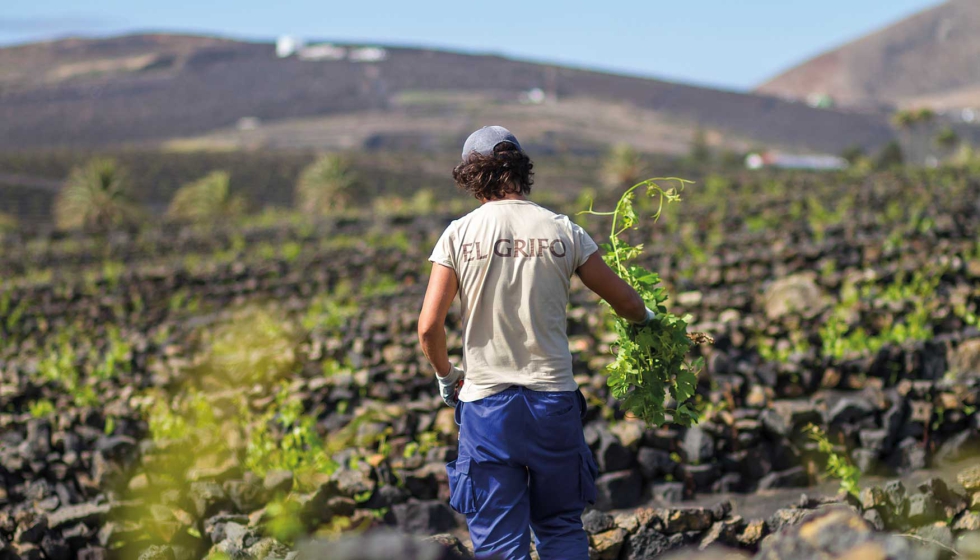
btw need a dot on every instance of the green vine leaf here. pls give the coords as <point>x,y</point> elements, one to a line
<point>651,362</point>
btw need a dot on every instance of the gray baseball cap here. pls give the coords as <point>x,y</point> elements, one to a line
<point>483,141</point>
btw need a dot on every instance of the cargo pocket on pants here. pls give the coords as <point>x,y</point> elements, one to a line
<point>588,471</point>
<point>462,496</point>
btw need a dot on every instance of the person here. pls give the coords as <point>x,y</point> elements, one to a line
<point>522,463</point>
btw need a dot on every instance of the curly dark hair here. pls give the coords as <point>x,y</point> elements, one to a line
<point>506,171</point>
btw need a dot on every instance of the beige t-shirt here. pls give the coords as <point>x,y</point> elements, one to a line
<point>514,261</point>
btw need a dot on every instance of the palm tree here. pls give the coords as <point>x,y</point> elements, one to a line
<point>622,167</point>
<point>904,121</point>
<point>914,125</point>
<point>325,186</point>
<point>95,197</point>
<point>205,199</point>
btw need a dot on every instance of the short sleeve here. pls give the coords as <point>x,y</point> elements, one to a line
<point>443,253</point>
<point>584,245</point>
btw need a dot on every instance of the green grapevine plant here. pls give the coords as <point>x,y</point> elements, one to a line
<point>650,361</point>
<point>838,466</point>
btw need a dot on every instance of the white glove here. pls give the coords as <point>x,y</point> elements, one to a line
<point>651,315</point>
<point>450,385</point>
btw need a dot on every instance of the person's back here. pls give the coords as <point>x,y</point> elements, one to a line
<point>514,261</point>
<point>523,462</point>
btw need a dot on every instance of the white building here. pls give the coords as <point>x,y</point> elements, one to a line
<point>795,161</point>
<point>325,51</point>
<point>287,45</point>
<point>368,54</point>
<point>534,96</point>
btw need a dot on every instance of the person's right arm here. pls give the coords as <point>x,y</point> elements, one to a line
<point>601,279</point>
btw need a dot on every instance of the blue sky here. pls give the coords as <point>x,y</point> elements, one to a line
<point>726,43</point>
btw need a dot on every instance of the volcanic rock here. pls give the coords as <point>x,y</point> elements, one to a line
<point>55,547</point>
<point>794,293</point>
<point>669,492</point>
<point>874,519</point>
<point>93,553</point>
<point>970,478</point>
<point>655,463</point>
<point>607,545</point>
<point>157,552</point>
<point>684,520</point>
<point>968,545</point>
<point>375,545</point>
<point>968,521</point>
<point>645,543</point>
<point>455,548</point>
<point>611,455</point>
<point>31,528</point>
<point>617,490</point>
<point>208,499</point>
<point>960,446</point>
<point>278,482</point>
<point>80,513</point>
<point>355,481</point>
<point>833,532</point>
<point>424,517</point>
<point>698,446</point>
<point>630,433</point>
<point>753,532</point>
<point>965,359</point>
<point>595,521</point>
<point>924,508</point>
<point>849,410</point>
<point>795,477</point>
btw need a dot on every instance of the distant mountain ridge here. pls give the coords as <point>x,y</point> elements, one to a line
<point>148,89</point>
<point>928,58</point>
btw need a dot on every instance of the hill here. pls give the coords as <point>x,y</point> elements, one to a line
<point>928,58</point>
<point>149,89</point>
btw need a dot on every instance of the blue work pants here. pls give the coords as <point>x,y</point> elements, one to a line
<point>523,464</point>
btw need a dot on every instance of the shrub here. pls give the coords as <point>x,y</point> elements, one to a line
<point>95,197</point>
<point>326,186</point>
<point>622,167</point>
<point>205,199</point>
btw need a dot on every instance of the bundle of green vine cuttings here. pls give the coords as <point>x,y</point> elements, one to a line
<point>652,361</point>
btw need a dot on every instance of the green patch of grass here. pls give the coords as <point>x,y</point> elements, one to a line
<point>330,311</point>
<point>116,358</point>
<point>781,351</point>
<point>290,251</point>
<point>285,524</point>
<point>916,291</point>
<point>61,365</point>
<point>426,441</point>
<point>380,285</point>
<point>285,438</point>
<point>41,408</point>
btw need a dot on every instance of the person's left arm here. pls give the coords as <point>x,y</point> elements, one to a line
<point>432,320</point>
